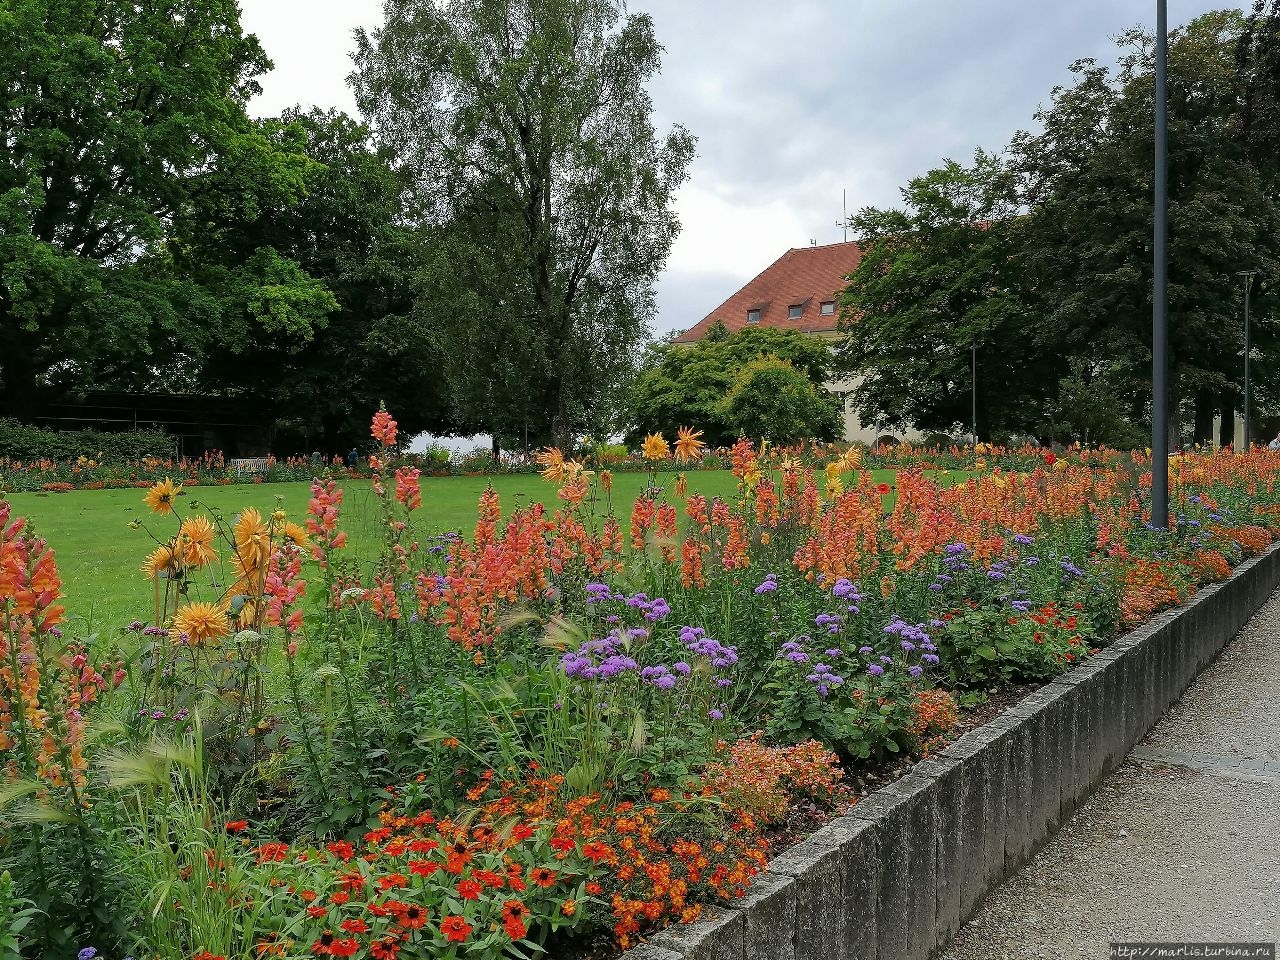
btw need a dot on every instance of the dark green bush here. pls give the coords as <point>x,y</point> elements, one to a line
<point>20,441</point>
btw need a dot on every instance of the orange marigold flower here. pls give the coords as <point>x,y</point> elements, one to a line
<point>569,908</point>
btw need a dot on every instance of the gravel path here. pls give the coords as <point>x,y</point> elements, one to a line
<point>1182,843</point>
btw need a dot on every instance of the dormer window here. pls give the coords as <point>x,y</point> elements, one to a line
<point>828,308</point>
<point>753,316</point>
<point>795,311</point>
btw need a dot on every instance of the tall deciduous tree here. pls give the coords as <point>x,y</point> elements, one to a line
<point>349,231</point>
<point>937,278</point>
<point>528,129</point>
<point>1087,181</point>
<point>125,135</point>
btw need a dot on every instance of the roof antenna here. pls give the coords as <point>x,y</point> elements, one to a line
<point>844,204</point>
<point>813,242</point>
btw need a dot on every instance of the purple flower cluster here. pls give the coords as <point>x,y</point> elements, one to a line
<point>660,676</point>
<point>696,641</point>
<point>1070,568</point>
<point>831,622</point>
<point>770,584</point>
<point>792,650</point>
<point>653,610</point>
<point>824,678</point>
<point>598,659</point>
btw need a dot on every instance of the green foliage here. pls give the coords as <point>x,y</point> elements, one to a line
<point>526,130</point>
<point>687,386</point>
<point>16,913</point>
<point>1090,407</point>
<point>19,441</point>
<point>936,279</point>
<point>129,156</point>
<point>770,399</point>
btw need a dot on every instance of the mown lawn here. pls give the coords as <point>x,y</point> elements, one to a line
<point>99,556</point>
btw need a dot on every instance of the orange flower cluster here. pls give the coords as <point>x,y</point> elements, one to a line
<point>1250,538</point>
<point>934,715</point>
<point>768,781</point>
<point>44,692</point>
<point>1148,586</point>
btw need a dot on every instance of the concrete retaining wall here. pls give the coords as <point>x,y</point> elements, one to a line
<point>897,878</point>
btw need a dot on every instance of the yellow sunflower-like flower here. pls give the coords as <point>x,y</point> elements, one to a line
<point>201,623</point>
<point>655,447</point>
<point>852,459</point>
<point>295,533</point>
<point>161,562</point>
<point>554,468</point>
<point>161,497</point>
<point>195,542</point>
<point>689,446</point>
<point>253,549</point>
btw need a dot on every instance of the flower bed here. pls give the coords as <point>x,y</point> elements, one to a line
<point>583,721</point>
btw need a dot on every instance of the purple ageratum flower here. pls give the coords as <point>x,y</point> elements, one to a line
<point>599,592</point>
<point>573,664</point>
<point>831,622</point>
<point>88,953</point>
<point>136,626</point>
<point>935,587</point>
<point>866,650</point>
<point>617,664</point>
<point>824,678</point>
<point>1023,539</point>
<point>770,584</point>
<point>995,574</point>
<point>895,626</point>
<point>697,641</point>
<point>937,624</point>
<point>1022,606</point>
<point>929,657</point>
<point>886,659</point>
<point>723,682</point>
<point>942,578</point>
<point>682,668</point>
<point>1031,561</point>
<point>658,608</point>
<point>835,653</point>
<point>915,670</point>
<point>715,714</point>
<point>908,646</point>
<point>875,669</point>
<point>1071,568</point>
<point>665,682</point>
<point>846,589</point>
<point>956,548</point>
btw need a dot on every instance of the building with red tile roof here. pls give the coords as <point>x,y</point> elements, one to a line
<point>798,291</point>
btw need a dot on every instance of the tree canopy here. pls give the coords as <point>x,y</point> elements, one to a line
<point>127,142</point>
<point>526,128</point>
<point>1041,255</point>
<point>703,385</point>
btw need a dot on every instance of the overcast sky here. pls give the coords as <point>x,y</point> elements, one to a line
<point>792,101</point>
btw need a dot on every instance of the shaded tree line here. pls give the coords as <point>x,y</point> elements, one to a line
<point>478,250</point>
<point>1036,261</point>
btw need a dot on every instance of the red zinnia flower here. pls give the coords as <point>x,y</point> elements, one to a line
<point>423,868</point>
<point>543,877</point>
<point>235,826</point>
<point>315,912</point>
<point>385,948</point>
<point>883,488</point>
<point>413,917</point>
<point>469,890</point>
<point>456,929</point>
<point>354,925</point>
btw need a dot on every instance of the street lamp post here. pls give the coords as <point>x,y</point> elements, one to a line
<point>1248,286</point>
<point>1159,318</point>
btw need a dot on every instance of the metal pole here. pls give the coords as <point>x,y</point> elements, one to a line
<point>974,380</point>
<point>1248,437</point>
<point>1159,319</point>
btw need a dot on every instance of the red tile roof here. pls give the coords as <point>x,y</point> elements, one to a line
<point>805,276</point>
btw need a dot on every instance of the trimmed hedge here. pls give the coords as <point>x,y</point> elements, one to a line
<point>22,442</point>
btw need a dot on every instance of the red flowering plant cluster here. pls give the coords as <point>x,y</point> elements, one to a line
<point>523,868</point>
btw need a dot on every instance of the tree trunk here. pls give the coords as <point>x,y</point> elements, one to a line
<point>19,374</point>
<point>497,448</point>
<point>1203,430</point>
<point>1227,428</point>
